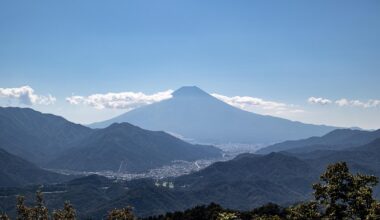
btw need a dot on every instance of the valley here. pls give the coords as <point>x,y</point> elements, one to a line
<point>175,169</point>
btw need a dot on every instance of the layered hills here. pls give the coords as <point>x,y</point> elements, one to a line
<point>338,139</point>
<point>50,141</point>
<point>16,172</point>
<point>35,136</point>
<point>125,147</point>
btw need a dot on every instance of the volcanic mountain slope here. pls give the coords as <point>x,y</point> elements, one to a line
<point>338,139</point>
<point>130,148</point>
<point>193,113</point>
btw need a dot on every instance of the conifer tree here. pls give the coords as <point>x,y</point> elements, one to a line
<point>308,210</point>
<point>374,212</point>
<point>67,213</point>
<point>23,212</point>
<point>121,214</point>
<point>40,212</point>
<point>4,216</point>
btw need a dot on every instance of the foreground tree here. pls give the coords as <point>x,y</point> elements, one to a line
<point>302,211</point>
<point>23,212</point>
<point>38,212</point>
<point>4,216</point>
<point>374,212</point>
<point>269,209</point>
<point>121,214</point>
<point>344,195</point>
<point>227,216</point>
<point>266,217</point>
<point>67,213</point>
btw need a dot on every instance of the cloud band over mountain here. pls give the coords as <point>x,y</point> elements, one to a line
<point>132,100</point>
<point>122,100</point>
<point>345,102</point>
<point>251,104</point>
<point>26,95</point>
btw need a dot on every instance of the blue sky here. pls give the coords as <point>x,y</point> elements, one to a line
<point>279,51</point>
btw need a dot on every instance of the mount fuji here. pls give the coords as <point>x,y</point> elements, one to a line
<point>196,115</point>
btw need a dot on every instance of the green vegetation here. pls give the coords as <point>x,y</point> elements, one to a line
<point>339,195</point>
<point>343,195</point>
<point>39,211</point>
<point>121,214</point>
<point>67,213</point>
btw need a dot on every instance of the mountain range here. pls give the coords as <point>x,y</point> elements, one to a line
<point>194,114</point>
<point>35,136</point>
<point>50,141</point>
<point>338,139</point>
<point>363,158</point>
<point>16,172</point>
<point>243,183</point>
<point>125,147</point>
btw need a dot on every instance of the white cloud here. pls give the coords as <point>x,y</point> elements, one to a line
<point>342,102</point>
<point>132,100</point>
<point>122,100</point>
<point>346,102</point>
<point>253,104</point>
<point>373,103</point>
<point>320,101</point>
<point>357,103</point>
<point>25,95</point>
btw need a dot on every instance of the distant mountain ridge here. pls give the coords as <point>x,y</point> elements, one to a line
<point>15,172</point>
<point>246,181</point>
<point>288,173</point>
<point>35,136</point>
<point>338,139</point>
<point>128,147</point>
<point>364,158</point>
<point>194,114</point>
<point>52,142</point>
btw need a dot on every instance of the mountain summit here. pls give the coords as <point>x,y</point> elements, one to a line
<point>194,114</point>
<point>189,91</point>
